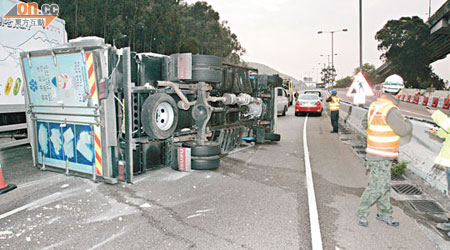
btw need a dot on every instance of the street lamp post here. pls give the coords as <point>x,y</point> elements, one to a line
<point>429,10</point>
<point>328,60</point>
<point>360,37</point>
<point>332,42</point>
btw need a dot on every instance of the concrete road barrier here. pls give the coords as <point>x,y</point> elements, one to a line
<point>419,153</point>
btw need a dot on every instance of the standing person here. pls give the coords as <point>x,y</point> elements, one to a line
<point>443,158</point>
<point>334,103</point>
<point>296,95</point>
<point>387,129</point>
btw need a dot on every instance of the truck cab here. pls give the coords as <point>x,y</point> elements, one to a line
<point>289,86</point>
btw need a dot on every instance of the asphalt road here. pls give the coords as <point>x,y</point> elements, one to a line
<point>257,199</point>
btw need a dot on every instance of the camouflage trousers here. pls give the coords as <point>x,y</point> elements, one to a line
<point>379,189</point>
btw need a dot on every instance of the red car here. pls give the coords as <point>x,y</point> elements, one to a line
<point>308,103</point>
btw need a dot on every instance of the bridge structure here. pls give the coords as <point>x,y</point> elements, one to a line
<point>439,42</point>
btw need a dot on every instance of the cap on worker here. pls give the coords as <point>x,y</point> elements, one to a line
<point>393,84</point>
<point>333,92</point>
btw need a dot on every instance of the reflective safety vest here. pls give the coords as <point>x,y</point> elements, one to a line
<point>381,139</point>
<point>334,103</point>
<point>443,121</point>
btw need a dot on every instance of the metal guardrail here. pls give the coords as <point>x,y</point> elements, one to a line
<point>14,143</point>
<point>7,128</point>
<point>7,109</point>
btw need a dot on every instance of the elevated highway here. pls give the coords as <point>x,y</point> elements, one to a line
<point>439,42</point>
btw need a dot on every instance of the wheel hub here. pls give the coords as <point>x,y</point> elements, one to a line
<point>164,116</point>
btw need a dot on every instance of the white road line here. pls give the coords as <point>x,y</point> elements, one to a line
<point>316,237</point>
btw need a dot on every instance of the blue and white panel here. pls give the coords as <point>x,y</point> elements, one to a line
<point>58,142</point>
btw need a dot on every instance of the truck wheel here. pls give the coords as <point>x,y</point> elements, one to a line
<point>206,60</point>
<point>210,148</point>
<point>206,75</point>
<point>272,137</point>
<point>159,116</point>
<point>205,163</point>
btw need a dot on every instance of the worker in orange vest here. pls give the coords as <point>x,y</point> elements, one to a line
<point>387,129</point>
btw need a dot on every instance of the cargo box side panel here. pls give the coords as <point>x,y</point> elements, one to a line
<point>63,100</point>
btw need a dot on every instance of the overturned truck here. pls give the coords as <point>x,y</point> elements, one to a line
<point>113,113</point>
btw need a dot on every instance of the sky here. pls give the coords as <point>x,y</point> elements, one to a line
<point>282,34</point>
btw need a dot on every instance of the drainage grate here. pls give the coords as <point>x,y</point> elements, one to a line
<point>397,178</point>
<point>424,206</point>
<point>345,139</point>
<point>345,133</point>
<point>406,189</point>
<point>359,147</point>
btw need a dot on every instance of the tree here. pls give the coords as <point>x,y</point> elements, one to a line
<point>208,34</point>
<point>328,75</point>
<point>160,26</point>
<point>369,72</point>
<point>404,46</point>
<point>344,82</point>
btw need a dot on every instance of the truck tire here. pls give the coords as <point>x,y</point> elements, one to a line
<point>226,83</point>
<point>272,137</point>
<point>206,60</point>
<point>159,116</point>
<point>206,75</point>
<point>210,148</point>
<point>205,163</point>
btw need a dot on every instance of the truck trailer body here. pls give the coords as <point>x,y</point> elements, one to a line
<point>112,113</point>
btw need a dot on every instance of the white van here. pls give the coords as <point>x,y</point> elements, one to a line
<point>282,101</point>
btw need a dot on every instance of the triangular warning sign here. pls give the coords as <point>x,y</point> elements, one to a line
<point>359,86</point>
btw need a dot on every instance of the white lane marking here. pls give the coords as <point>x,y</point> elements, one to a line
<point>316,237</point>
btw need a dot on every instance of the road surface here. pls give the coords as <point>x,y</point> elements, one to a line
<point>257,199</point>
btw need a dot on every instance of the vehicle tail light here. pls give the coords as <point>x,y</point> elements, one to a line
<point>317,103</point>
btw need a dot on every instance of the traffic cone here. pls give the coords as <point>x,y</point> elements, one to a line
<point>3,186</point>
